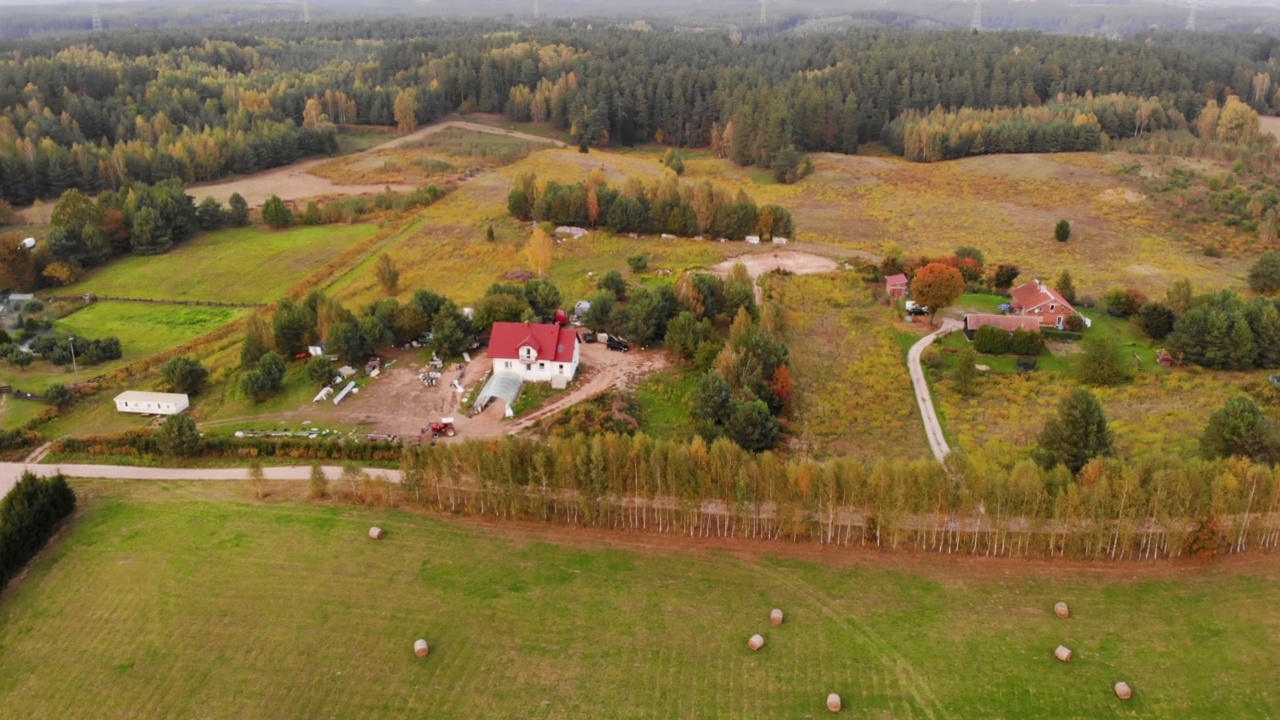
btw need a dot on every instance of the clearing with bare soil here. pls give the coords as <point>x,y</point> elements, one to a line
<point>297,182</point>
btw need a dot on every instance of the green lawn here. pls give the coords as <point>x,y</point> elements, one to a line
<point>143,329</point>
<point>664,403</point>
<point>171,600</point>
<point>241,265</point>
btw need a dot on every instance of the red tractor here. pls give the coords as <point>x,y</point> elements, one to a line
<point>444,427</point>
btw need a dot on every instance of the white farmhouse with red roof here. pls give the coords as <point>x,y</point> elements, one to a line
<point>1035,299</point>
<point>535,352</point>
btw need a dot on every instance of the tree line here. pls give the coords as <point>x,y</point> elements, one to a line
<point>1066,125</point>
<point>29,515</point>
<point>666,206</point>
<point>101,112</point>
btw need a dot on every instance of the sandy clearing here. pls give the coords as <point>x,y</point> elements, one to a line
<point>800,263</point>
<point>1270,125</point>
<point>295,182</point>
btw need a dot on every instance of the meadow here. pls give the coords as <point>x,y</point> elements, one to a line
<point>144,330</point>
<point>241,265</point>
<point>853,392</point>
<point>173,600</point>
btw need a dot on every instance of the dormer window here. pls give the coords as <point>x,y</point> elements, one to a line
<point>528,354</point>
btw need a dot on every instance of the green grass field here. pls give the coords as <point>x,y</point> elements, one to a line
<point>170,600</point>
<point>143,329</point>
<point>241,265</point>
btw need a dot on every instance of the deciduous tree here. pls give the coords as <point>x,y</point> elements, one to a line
<point>937,286</point>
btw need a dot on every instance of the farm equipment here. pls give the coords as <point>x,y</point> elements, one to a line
<point>444,427</point>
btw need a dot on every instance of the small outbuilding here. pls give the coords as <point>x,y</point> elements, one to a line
<point>17,300</point>
<point>895,286</point>
<point>151,403</point>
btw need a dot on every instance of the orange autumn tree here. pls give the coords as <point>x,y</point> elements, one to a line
<point>937,286</point>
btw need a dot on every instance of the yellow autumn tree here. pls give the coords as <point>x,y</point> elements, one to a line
<point>406,111</point>
<point>539,251</point>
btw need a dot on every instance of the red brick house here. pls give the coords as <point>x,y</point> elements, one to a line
<point>896,286</point>
<point>1035,299</point>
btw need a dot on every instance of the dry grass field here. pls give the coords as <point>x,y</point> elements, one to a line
<point>175,600</point>
<point>853,392</point>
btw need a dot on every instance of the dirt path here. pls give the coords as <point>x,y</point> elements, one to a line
<point>607,370</point>
<point>932,428</point>
<point>295,182</point>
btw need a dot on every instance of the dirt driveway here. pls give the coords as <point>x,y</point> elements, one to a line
<point>397,403</point>
<point>295,182</point>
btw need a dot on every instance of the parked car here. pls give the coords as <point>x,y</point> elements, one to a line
<point>914,309</point>
<point>617,344</point>
<point>588,336</point>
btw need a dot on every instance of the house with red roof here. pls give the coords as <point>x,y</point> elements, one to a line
<point>542,352</point>
<point>1037,300</point>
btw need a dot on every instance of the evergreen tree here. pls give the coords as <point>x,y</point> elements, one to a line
<point>1062,231</point>
<point>1156,320</point>
<point>185,375</point>
<point>1238,429</point>
<point>238,212</point>
<point>1264,276</point>
<point>1077,434</point>
<point>210,215</point>
<point>179,436</point>
<point>752,426</point>
<point>712,403</point>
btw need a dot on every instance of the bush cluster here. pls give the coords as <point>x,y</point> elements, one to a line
<point>29,515</point>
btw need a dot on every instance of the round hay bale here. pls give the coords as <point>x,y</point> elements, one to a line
<point>1061,610</point>
<point>420,648</point>
<point>833,702</point>
<point>1123,691</point>
<point>376,533</point>
<point>756,642</point>
<point>1062,653</point>
<point>775,616</point>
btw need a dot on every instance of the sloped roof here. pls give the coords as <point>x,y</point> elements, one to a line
<point>553,343</point>
<point>899,279</point>
<point>1006,322</point>
<point>1034,294</point>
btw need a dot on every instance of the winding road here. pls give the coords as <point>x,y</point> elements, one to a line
<point>932,428</point>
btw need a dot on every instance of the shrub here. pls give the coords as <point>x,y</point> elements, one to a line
<point>1156,320</point>
<point>1075,324</point>
<point>60,396</point>
<point>1264,276</point>
<point>1025,342</point>
<point>179,436</point>
<point>1062,231</point>
<point>1124,302</point>
<point>29,514</point>
<point>991,340</point>
<point>320,370</point>
<point>638,263</point>
<point>185,375</point>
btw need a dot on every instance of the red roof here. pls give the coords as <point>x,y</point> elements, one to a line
<point>1029,296</point>
<point>894,280</point>
<point>553,343</point>
<point>1007,322</point>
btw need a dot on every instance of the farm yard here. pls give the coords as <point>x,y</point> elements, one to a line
<point>169,599</point>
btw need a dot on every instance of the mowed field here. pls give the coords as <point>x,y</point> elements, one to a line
<point>170,600</point>
<point>241,265</point>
